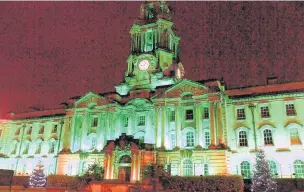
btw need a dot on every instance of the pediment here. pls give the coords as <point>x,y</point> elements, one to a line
<point>90,100</point>
<point>184,89</point>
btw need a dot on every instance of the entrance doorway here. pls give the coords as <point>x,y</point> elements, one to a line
<point>124,171</point>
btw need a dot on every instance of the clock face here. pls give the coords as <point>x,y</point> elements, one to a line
<point>143,65</point>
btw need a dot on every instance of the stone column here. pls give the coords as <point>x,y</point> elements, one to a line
<point>212,125</point>
<point>163,126</point>
<point>198,117</point>
<point>177,127</point>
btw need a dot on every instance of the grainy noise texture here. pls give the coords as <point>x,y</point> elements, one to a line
<point>50,51</point>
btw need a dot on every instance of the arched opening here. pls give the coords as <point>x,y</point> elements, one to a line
<point>124,170</point>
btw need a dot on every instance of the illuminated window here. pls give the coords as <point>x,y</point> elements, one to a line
<point>268,137</point>
<point>187,167</point>
<point>265,112</point>
<point>273,168</point>
<point>29,131</point>
<point>172,116</point>
<point>189,139</point>
<point>206,113</point>
<point>243,139</point>
<point>189,114</point>
<point>54,130</point>
<point>41,130</point>
<point>95,122</point>
<point>207,139</point>
<point>141,120</point>
<point>173,140</point>
<point>294,136</point>
<point>206,169</point>
<point>17,132</point>
<point>298,166</point>
<point>245,169</point>
<point>240,114</point>
<point>290,110</point>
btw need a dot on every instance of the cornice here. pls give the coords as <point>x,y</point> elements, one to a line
<point>267,97</point>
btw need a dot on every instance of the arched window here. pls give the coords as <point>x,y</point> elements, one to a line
<point>172,140</point>
<point>26,147</point>
<point>93,143</point>
<point>298,167</point>
<point>245,169</point>
<point>189,139</point>
<point>187,168</point>
<point>52,146</point>
<point>206,169</point>
<point>14,147</point>
<point>268,137</point>
<point>243,142</point>
<point>51,169</point>
<point>82,167</point>
<point>273,168</point>
<point>294,136</point>
<point>38,147</point>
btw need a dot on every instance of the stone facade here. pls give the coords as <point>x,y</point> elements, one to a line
<point>156,115</point>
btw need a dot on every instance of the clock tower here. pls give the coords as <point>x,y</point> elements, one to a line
<point>153,60</point>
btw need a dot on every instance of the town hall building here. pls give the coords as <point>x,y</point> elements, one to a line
<point>158,116</point>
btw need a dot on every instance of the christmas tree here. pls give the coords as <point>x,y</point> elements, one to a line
<point>38,179</point>
<point>262,180</point>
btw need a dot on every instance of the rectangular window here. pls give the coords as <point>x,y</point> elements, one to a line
<point>189,114</point>
<point>172,116</point>
<point>54,130</point>
<point>265,112</point>
<point>290,110</point>
<point>207,139</point>
<point>240,114</point>
<point>149,41</point>
<point>17,131</point>
<point>141,120</point>
<point>206,113</point>
<point>29,131</point>
<point>41,130</point>
<point>95,122</point>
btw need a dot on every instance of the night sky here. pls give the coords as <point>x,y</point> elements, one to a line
<point>50,51</point>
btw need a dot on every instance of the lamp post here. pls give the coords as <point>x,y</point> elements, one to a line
<point>252,107</point>
<point>18,157</point>
<point>58,146</point>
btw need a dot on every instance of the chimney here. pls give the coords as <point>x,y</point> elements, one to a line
<point>272,80</point>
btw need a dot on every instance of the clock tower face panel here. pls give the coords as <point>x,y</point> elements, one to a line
<point>143,65</point>
<point>145,62</point>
